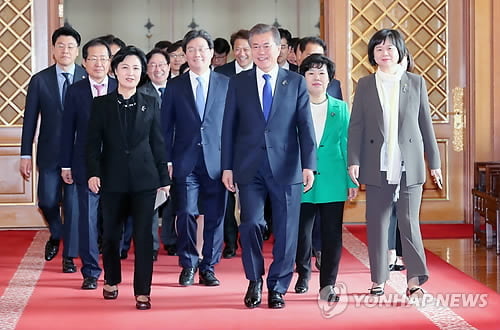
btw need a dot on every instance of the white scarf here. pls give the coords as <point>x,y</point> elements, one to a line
<point>388,86</point>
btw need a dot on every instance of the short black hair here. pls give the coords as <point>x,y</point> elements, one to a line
<point>311,40</point>
<point>112,39</point>
<point>264,28</point>
<point>157,51</point>
<point>193,34</point>
<point>129,51</point>
<point>285,34</point>
<point>173,47</point>
<point>92,43</point>
<point>240,34</point>
<point>163,44</point>
<point>66,30</point>
<point>183,67</point>
<point>317,61</point>
<point>380,37</point>
<point>221,46</point>
<point>294,43</point>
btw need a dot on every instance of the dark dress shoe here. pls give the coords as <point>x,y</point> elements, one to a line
<point>142,305</point>
<point>186,277</point>
<point>89,283</point>
<point>396,268</point>
<point>155,255</point>
<point>228,252</point>
<point>124,254</point>
<point>171,249</point>
<point>68,266</point>
<point>109,294</point>
<point>51,249</point>
<point>208,278</point>
<point>275,300</point>
<point>253,297</point>
<point>266,233</point>
<point>317,263</point>
<point>327,293</point>
<point>302,284</point>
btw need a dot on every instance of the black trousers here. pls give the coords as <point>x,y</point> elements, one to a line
<point>331,217</point>
<point>116,207</point>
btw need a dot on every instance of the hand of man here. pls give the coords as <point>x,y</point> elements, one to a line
<point>307,178</point>
<point>67,176</point>
<point>25,168</point>
<point>166,189</point>
<point>227,180</point>
<point>354,173</point>
<point>95,184</point>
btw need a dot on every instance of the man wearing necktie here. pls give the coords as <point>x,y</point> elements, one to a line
<point>46,92</point>
<point>192,112</point>
<point>77,105</point>
<point>268,147</point>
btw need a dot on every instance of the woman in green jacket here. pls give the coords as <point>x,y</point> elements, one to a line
<point>332,185</point>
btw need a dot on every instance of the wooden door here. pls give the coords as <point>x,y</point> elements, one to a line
<point>435,34</point>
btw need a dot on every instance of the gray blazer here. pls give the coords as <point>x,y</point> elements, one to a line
<point>416,134</point>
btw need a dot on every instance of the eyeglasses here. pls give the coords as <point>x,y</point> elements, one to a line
<point>193,50</point>
<point>174,55</point>
<point>157,65</point>
<point>69,46</point>
<point>265,46</point>
<point>95,59</point>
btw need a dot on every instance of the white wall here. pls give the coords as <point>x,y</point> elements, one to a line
<point>126,18</point>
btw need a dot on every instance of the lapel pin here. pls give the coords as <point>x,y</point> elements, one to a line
<point>333,114</point>
<point>284,82</point>
<point>143,108</point>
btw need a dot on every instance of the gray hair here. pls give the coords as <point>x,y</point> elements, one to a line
<point>264,28</point>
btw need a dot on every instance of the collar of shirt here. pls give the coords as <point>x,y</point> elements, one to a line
<point>261,81</point>
<point>194,82</point>
<point>60,77</point>
<point>238,68</point>
<point>157,87</point>
<point>286,66</point>
<point>93,82</point>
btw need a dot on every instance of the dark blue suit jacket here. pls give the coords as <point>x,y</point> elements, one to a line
<point>43,99</point>
<point>185,132</point>
<point>334,89</point>
<point>74,129</point>
<point>287,137</point>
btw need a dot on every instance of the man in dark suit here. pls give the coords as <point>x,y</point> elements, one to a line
<point>242,55</point>
<point>45,98</point>
<point>96,56</point>
<point>242,61</point>
<point>193,108</point>
<point>286,39</point>
<point>157,72</point>
<point>268,147</point>
<point>315,45</point>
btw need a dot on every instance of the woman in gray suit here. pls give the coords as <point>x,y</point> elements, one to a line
<point>389,132</point>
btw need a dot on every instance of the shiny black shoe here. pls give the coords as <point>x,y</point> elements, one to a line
<point>302,284</point>
<point>89,283</point>
<point>377,290</point>
<point>171,249</point>
<point>228,252</point>
<point>109,295</point>
<point>327,293</point>
<point>68,266</point>
<point>124,254</point>
<point>275,300</point>
<point>51,249</point>
<point>186,278</point>
<point>208,278</point>
<point>142,302</point>
<point>396,268</point>
<point>155,255</point>
<point>253,297</point>
<point>266,233</point>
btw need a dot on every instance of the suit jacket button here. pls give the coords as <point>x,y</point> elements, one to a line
<point>317,173</point>
<point>371,141</point>
<point>198,144</point>
<point>410,140</point>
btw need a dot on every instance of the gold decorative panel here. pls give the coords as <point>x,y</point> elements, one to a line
<point>424,26</point>
<point>15,59</point>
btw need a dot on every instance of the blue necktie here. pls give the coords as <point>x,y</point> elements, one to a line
<point>267,96</point>
<point>162,91</point>
<point>65,86</point>
<point>200,97</point>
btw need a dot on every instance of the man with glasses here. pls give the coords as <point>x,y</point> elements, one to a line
<point>221,50</point>
<point>177,58</point>
<point>286,40</point>
<point>45,98</point>
<point>192,110</point>
<point>96,59</point>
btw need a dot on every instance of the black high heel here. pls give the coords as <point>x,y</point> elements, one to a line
<point>415,292</point>
<point>377,290</point>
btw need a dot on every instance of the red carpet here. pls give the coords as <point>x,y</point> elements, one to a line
<point>58,303</point>
<point>434,231</point>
